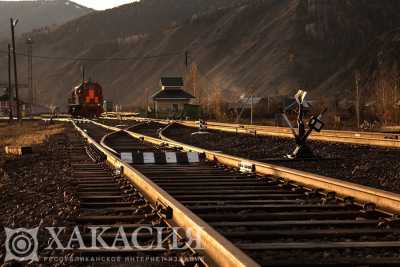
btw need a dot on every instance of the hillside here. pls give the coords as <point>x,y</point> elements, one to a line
<point>267,46</point>
<point>36,15</point>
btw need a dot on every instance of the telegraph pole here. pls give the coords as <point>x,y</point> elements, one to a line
<point>29,43</point>
<point>83,73</point>
<point>186,60</point>
<point>36,92</point>
<point>147,102</point>
<point>194,80</point>
<point>251,110</point>
<point>13,24</point>
<point>10,94</point>
<point>357,78</point>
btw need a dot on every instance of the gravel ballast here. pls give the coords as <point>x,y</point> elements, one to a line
<point>37,190</point>
<point>372,166</point>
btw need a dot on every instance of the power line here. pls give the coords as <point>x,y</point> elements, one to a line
<point>100,59</point>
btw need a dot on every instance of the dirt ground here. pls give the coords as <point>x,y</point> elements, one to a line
<point>35,190</point>
<point>29,133</point>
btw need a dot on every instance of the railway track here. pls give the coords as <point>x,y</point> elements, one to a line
<point>277,222</point>
<point>151,128</point>
<point>349,137</point>
<point>367,165</point>
<point>109,203</point>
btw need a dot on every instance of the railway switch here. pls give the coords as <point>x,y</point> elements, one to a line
<point>302,150</point>
<point>202,125</point>
<point>316,124</point>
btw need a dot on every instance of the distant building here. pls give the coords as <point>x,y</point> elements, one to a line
<point>5,105</point>
<point>108,106</point>
<point>170,101</point>
<point>245,102</point>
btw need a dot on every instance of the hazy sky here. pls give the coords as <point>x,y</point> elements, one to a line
<point>98,4</point>
<point>102,4</point>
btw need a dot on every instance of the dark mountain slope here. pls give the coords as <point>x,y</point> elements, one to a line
<point>269,46</point>
<point>38,14</point>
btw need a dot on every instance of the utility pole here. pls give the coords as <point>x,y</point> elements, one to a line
<point>10,94</point>
<point>29,44</point>
<point>36,92</point>
<point>194,80</point>
<point>357,79</point>
<point>251,110</point>
<point>396,96</point>
<point>186,60</point>
<point>208,105</point>
<point>83,73</point>
<point>14,23</point>
<point>147,102</point>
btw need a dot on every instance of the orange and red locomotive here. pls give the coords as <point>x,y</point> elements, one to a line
<point>86,100</point>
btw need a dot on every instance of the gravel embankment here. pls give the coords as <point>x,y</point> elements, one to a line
<point>37,190</point>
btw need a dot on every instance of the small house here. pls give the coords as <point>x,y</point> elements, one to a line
<point>25,108</point>
<point>171,99</point>
<point>5,104</point>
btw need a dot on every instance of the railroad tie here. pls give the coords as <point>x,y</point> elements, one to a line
<point>160,157</point>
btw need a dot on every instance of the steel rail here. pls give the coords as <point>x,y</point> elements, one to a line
<point>348,137</point>
<point>103,143</point>
<point>393,200</point>
<point>384,200</point>
<point>220,251</point>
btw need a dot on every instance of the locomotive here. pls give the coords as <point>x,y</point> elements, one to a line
<point>86,100</point>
